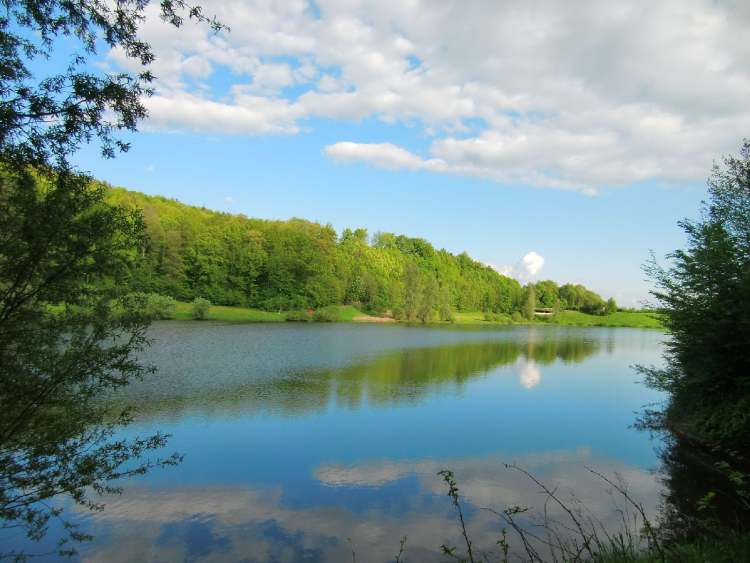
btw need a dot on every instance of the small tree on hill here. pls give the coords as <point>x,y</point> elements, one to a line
<point>529,302</point>
<point>611,306</point>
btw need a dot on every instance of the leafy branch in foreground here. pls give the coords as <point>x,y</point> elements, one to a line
<point>68,336</point>
<point>450,480</point>
<point>45,119</point>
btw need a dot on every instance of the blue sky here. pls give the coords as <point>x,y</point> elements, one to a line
<point>581,134</point>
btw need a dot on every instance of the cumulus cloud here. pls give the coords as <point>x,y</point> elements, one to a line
<point>545,94</point>
<point>384,155</point>
<point>532,263</point>
<point>257,114</point>
<point>526,268</point>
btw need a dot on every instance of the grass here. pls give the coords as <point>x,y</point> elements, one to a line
<point>578,535</point>
<point>478,317</point>
<point>621,318</point>
<point>727,549</point>
<point>569,318</point>
<point>235,314</point>
<point>347,313</point>
<point>183,311</point>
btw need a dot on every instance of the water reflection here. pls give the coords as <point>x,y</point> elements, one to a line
<point>406,376</point>
<point>529,375</point>
<point>705,489</point>
<point>250,524</point>
<point>297,438</point>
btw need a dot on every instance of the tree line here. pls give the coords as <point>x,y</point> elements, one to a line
<point>194,252</point>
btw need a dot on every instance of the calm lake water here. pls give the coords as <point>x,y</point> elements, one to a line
<point>306,442</point>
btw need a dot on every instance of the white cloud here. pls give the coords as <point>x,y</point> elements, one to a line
<point>579,97</point>
<point>384,155</point>
<point>526,268</point>
<point>252,114</point>
<point>532,263</point>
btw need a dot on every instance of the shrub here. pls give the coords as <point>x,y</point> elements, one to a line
<point>200,308</point>
<point>325,315</point>
<point>297,316</point>
<point>705,296</point>
<point>611,306</point>
<point>446,315</point>
<point>151,305</point>
<point>160,306</point>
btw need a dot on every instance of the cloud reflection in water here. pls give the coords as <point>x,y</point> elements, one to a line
<point>260,524</point>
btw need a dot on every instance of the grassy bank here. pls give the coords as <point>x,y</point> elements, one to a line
<point>349,313</point>
<point>183,311</point>
<point>336,313</point>
<point>621,318</point>
<point>632,319</point>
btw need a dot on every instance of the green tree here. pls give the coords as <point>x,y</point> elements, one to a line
<point>445,311</point>
<point>63,249</point>
<point>412,291</point>
<point>547,293</point>
<point>705,297</point>
<point>200,308</point>
<point>429,300</point>
<point>529,301</point>
<point>611,306</point>
<point>67,334</point>
<point>44,119</point>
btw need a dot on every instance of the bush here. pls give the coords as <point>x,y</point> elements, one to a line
<point>447,316</point>
<point>705,298</point>
<point>200,308</point>
<point>160,306</point>
<point>517,317</point>
<point>611,306</point>
<point>325,315</point>
<point>151,305</point>
<point>297,316</point>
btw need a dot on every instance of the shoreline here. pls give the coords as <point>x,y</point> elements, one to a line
<point>350,314</point>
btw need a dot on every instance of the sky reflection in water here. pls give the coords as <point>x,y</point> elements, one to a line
<point>299,437</point>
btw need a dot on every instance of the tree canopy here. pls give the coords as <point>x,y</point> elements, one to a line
<point>234,260</point>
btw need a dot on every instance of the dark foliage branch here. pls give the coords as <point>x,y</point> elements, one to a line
<point>43,119</point>
<point>68,336</point>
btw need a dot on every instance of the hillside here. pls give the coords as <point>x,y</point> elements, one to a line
<point>298,264</point>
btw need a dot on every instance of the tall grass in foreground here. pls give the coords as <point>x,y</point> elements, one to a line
<point>580,536</point>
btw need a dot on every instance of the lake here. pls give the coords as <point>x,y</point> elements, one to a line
<point>306,442</point>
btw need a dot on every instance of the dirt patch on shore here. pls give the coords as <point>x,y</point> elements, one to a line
<point>369,319</point>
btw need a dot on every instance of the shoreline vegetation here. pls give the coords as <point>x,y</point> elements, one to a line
<point>349,313</point>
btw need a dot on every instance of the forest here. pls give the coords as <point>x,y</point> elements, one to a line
<point>193,252</point>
